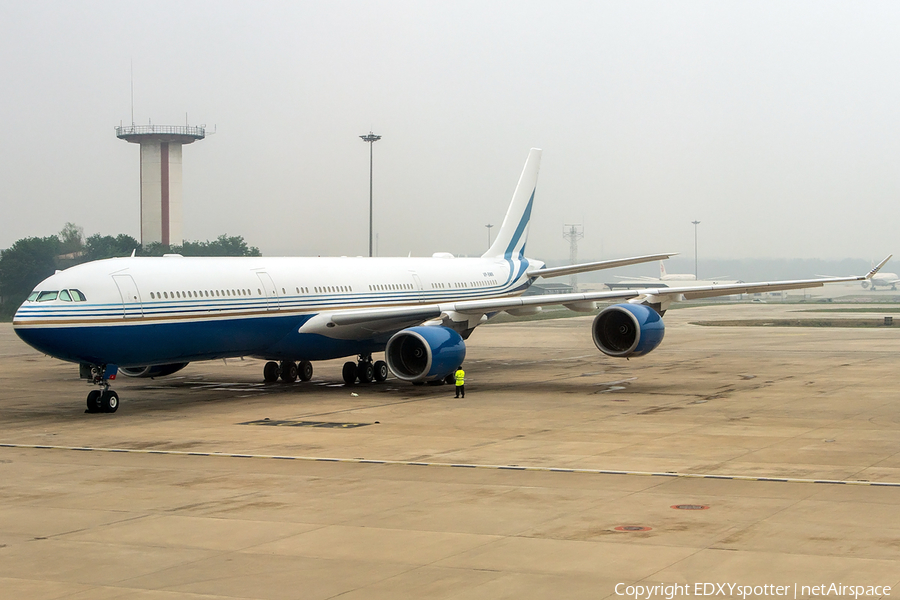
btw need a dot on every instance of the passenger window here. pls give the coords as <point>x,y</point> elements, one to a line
<point>33,296</point>
<point>64,296</point>
<point>47,296</point>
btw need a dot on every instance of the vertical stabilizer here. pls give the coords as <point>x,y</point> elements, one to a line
<point>511,238</point>
<point>662,270</point>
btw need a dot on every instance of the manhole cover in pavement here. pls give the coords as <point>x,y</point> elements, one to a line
<point>632,528</point>
<point>690,506</point>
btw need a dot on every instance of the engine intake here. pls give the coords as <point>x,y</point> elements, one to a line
<point>424,353</point>
<point>626,330</point>
<point>153,371</point>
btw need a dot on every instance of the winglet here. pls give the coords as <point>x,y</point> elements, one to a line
<point>877,267</point>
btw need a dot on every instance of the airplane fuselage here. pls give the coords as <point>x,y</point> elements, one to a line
<point>145,311</point>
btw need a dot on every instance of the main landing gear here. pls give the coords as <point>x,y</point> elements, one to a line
<point>105,400</point>
<point>288,371</point>
<point>364,370</point>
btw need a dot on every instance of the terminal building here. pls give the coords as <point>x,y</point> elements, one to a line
<point>161,145</point>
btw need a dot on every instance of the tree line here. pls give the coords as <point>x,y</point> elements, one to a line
<point>31,260</point>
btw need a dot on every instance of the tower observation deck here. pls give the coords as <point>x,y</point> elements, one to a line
<point>161,177</point>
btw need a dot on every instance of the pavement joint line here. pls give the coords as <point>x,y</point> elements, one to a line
<point>370,461</point>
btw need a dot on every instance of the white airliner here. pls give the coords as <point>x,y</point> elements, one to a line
<point>882,280</point>
<point>665,280</point>
<point>663,276</point>
<point>151,316</point>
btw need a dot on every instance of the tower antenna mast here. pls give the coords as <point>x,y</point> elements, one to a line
<point>573,233</point>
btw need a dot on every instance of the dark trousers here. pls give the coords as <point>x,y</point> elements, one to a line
<point>460,390</point>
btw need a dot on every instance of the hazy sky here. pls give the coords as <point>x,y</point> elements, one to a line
<point>773,123</point>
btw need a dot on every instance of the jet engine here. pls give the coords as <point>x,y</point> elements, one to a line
<point>424,353</point>
<point>153,371</point>
<point>626,330</point>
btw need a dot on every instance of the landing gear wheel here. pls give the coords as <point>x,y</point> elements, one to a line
<point>270,372</point>
<point>93,401</point>
<point>109,401</point>
<point>305,370</point>
<point>366,372</point>
<point>381,370</point>
<point>288,371</point>
<point>349,373</point>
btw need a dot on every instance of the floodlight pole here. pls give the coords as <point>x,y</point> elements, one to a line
<point>696,274</point>
<point>489,234</point>
<point>371,138</point>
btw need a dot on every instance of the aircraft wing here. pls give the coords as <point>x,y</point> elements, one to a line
<point>659,295</point>
<point>597,266</point>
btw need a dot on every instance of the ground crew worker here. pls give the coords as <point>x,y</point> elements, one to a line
<point>460,377</point>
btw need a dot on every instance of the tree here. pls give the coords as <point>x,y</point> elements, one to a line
<point>24,265</point>
<point>223,245</point>
<point>71,239</point>
<point>31,260</point>
<point>106,246</point>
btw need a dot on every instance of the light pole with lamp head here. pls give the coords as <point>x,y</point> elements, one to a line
<point>371,138</point>
<point>696,275</point>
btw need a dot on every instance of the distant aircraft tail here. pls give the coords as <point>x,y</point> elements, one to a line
<point>662,270</point>
<point>513,234</point>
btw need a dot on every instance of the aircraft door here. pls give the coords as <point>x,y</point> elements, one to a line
<point>131,297</point>
<point>419,288</point>
<point>269,290</point>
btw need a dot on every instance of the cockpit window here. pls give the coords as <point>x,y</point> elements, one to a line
<point>77,296</point>
<point>47,296</point>
<point>64,296</point>
<point>33,296</point>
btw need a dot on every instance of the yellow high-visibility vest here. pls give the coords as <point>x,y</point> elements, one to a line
<point>460,377</point>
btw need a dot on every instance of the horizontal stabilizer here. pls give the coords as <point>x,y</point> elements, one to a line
<point>597,266</point>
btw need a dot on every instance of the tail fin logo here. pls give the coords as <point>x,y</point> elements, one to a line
<point>513,234</point>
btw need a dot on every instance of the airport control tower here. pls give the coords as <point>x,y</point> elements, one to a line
<point>161,178</point>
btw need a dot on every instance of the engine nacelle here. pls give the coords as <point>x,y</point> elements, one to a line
<point>424,353</point>
<point>627,330</point>
<point>154,371</point>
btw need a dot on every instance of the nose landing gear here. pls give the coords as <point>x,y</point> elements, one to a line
<point>105,400</point>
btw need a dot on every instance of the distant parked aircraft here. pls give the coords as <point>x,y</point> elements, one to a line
<point>882,280</point>
<point>683,279</point>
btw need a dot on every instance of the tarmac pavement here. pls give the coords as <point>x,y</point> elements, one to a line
<point>161,518</point>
